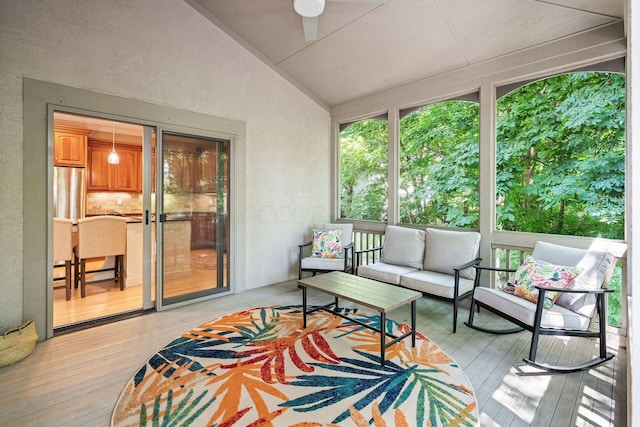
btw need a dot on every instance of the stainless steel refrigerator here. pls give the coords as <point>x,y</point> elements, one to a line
<point>69,192</point>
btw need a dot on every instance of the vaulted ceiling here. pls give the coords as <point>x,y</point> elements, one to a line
<point>365,47</point>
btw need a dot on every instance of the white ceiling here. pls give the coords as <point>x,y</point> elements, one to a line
<point>366,48</point>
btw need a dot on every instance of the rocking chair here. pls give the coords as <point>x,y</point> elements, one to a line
<point>571,314</point>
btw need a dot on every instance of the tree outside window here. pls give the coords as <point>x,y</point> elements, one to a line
<point>561,156</point>
<point>439,165</point>
<point>363,170</point>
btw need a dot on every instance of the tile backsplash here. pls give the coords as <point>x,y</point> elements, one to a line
<point>101,203</point>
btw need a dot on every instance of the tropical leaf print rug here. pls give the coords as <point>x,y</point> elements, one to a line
<point>259,367</point>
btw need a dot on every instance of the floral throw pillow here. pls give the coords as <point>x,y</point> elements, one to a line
<point>534,272</point>
<point>327,243</point>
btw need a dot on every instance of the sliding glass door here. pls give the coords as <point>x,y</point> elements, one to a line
<point>193,213</point>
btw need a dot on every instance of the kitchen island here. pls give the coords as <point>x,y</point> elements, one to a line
<point>177,250</point>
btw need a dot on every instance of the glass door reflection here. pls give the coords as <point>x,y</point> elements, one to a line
<point>194,217</point>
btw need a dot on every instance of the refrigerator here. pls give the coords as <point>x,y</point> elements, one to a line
<point>69,192</point>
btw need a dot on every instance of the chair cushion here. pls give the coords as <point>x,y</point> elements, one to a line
<point>383,272</point>
<point>557,317</point>
<point>403,246</point>
<point>446,249</point>
<point>439,284</point>
<point>534,272</point>
<point>313,263</point>
<point>327,243</point>
<point>596,266</point>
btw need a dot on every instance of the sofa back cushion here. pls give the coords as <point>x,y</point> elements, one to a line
<point>596,267</point>
<point>403,246</point>
<point>446,249</point>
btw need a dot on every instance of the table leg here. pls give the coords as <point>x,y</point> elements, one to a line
<point>304,306</point>
<point>413,323</point>
<point>383,334</point>
<point>336,304</point>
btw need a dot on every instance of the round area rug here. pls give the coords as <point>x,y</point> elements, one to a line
<point>259,367</point>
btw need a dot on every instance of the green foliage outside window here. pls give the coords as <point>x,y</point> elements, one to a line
<point>363,170</point>
<point>561,156</point>
<point>439,165</point>
<point>560,163</point>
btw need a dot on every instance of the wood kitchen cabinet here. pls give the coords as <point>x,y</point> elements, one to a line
<point>70,147</point>
<point>203,231</point>
<point>179,176</point>
<point>125,176</point>
<point>206,170</point>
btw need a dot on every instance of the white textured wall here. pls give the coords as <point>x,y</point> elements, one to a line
<point>163,52</point>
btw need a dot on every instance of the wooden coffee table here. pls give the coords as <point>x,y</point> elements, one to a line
<point>379,296</point>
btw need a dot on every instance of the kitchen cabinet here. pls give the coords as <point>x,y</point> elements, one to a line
<point>125,176</point>
<point>203,231</point>
<point>206,170</point>
<point>204,228</point>
<point>69,147</point>
<point>179,172</point>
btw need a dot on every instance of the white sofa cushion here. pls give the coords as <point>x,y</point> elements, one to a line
<point>383,272</point>
<point>595,267</point>
<point>439,284</point>
<point>446,249</point>
<point>403,246</point>
<point>556,317</point>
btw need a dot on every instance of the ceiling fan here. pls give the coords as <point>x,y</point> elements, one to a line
<point>310,10</point>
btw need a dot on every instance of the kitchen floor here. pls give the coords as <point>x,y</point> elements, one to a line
<point>104,298</point>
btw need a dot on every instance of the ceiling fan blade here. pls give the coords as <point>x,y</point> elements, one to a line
<point>310,27</point>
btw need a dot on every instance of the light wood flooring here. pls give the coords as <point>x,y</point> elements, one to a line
<point>104,298</point>
<point>75,379</point>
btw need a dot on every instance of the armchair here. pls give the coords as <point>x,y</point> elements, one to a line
<point>330,249</point>
<point>571,314</point>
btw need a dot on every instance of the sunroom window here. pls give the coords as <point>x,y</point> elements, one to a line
<point>364,170</point>
<point>439,165</point>
<point>561,156</point>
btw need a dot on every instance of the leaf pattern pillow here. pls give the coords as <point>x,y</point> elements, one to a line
<point>327,243</point>
<point>534,272</point>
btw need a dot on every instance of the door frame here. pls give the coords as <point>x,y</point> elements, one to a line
<point>39,100</point>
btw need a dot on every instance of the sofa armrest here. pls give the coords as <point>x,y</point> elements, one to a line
<point>471,263</point>
<point>359,256</point>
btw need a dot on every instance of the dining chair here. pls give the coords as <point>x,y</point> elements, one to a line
<point>63,249</point>
<point>102,236</point>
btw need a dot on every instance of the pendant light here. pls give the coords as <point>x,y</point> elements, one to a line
<point>113,158</point>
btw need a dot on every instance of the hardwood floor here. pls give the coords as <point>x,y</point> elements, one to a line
<point>104,298</point>
<point>75,379</point>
